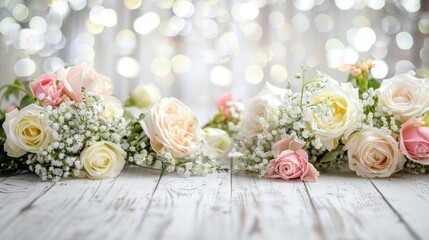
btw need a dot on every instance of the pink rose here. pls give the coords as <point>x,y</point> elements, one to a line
<point>222,103</point>
<point>84,76</point>
<point>46,89</point>
<point>414,140</point>
<point>290,162</point>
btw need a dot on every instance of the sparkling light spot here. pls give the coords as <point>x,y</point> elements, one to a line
<point>278,73</point>
<point>24,67</point>
<point>323,22</point>
<point>404,40</point>
<point>132,4</point>
<point>253,74</point>
<point>380,70</point>
<point>364,39</point>
<point>183,9</point>
<point>221,76</point>
<point>161,66</point>
<point>303,5</point>
<point>146,23</point>
<point>128,67</point>
<point>20,12</point>
<point>404,66</point>
<point>344,4</point>
<point>181,64</point>
<point>300,23</point>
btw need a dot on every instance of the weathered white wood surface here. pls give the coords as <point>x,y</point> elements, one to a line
<point>148,204</point>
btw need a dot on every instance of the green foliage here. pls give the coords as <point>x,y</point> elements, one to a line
<point>332,155</point>
<point>373,83</point>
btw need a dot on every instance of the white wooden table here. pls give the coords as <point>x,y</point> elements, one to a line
<point>145,204</point>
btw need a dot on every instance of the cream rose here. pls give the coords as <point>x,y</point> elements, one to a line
<point>145,96</point>
<point>112,107</point>
<point>103,160</point>
<point>335,113</point>
<point>265,105</point>
<point>404,95</point>
<point>372,153</point>
<point>218,143</point>
<point>173,126</point>
<point>25,132</point>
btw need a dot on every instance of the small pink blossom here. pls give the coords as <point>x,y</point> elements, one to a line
<point>356,71</point>
<point>414,140</point>
<point>45,88</point>
<point>290,162</point>
<point>222,103</point>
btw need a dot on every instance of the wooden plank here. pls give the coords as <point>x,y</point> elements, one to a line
<point>88,209</point>
<point>189,208</point>
<point>349,207</point>
<point>408,195</point>
<point>272,209</point>
<point>17,193</point>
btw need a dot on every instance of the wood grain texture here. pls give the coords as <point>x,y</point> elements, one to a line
<point>189,208</point>
<point>349,207</point>
<point>17,194</point>
<point>146,204</point>
<point>408,195</point>
<point>87,209</point>
<point>272,209</point>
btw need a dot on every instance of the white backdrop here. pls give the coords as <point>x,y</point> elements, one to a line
<point>195,50</point>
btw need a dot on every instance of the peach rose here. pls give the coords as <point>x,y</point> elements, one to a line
<point>173,126</point>
<point>46,89</point>
<point>414,140</point>
<point>84,76</point>
<point>290,162</point>
<point>372,153</point>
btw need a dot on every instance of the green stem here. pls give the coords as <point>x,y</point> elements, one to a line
<point>303,70</point>
<point>13,86</point>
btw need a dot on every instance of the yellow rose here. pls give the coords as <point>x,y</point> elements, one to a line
<point>173,126</point>
<point>25,132</point>
<point>103,160</point>
<point>335,113</point>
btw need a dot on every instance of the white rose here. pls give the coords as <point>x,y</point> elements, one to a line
<point>112,107</point>
<point>404,95</point>
<point>372,153</point>
<point>103,160</point>
<point>218,143</point>
<point>336,111</point>
<point>145,96</point>
<point>173,126</point>
<point>25,132</point>
<point>265,105</point>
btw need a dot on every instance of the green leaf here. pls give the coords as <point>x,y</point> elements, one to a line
<point>373,83</point>
<point>332,155</point>
<point>129,102</point>
<point>27,100</point>
<point>129,116</point>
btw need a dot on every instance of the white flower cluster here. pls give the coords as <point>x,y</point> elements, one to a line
<point>322,115</point>
<point>74,126</point>
<point>140,153</point>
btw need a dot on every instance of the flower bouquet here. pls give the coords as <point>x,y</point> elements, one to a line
<point>68,125</point>
<point>372,128</point>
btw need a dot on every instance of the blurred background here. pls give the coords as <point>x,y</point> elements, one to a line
<point>196,50</point>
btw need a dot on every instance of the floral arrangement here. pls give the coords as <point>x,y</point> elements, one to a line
<point>373,128</point>
<point>68,125</point>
